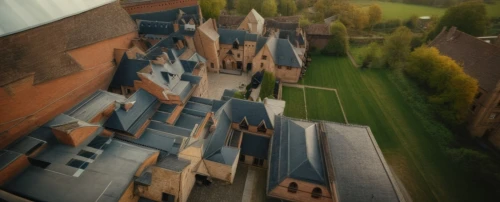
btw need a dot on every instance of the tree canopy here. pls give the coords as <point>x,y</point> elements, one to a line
<point>339,42</point>
<point>287,7</point>
<point>267,85</point>
<point>397,47</point>
<point>468,17</point>
<point>374,14</point>
<point>245,6</point>
<point>450,89</point>
<point>269,8</point>
<point>212,8</point>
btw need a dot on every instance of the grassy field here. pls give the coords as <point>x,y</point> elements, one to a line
<point>296,106</point>
<point>323,105</point>
<point>369,98</point>
<point>392,10</point>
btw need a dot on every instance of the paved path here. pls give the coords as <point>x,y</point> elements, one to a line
<point>321,88</point>
<point>249,186</point>
<point>217,83</point>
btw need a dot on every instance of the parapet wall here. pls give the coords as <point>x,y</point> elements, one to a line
<point>155,6</point>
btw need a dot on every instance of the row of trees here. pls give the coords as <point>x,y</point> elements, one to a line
<point>351,15</point>
<point>267,8</point>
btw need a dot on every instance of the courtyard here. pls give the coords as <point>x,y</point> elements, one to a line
<point>368,97</point>
<point>218,82</point>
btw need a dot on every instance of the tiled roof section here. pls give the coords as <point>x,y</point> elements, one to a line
<point>294,37</point>
<point>251,37</point>
<point>230,20</point>
<point>283,52</point>
<point>479,59</point>
<point>295,153</point>
<point>131,120</point>
<point>229,36</point>
<point>172,162</point>
<point>93,105</point>
<point>126,72</point>
<point>25,145</point>
<point>255,145</point>
<point>44,54</point>
<point>281,25</point>
<point>358,164</point>
<point>318,29</point>
<point>155,27</point>
<point>167,15</point>
<point>7,157</point>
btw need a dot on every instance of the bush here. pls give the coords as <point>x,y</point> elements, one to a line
<point>338,43</point>
<point>267,85</point>
<point>372,55</point>
<point>239,94</point>
<point>397,47</point>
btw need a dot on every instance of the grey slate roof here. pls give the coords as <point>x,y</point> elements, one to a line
<point>130,121</point>
<point>93,105</point>
<point>361,173</point>
<point>126,72</point>
<point>155,27</point>
<point>229,36</point>
<point>255,145</point>
<point>155,139</point>
<point>283,53</point>
<point>251,37</point>
<point>167,15</point>
<point>105,179</point>
<point>254,112</point>
<point>7,157</point>
<point>25,145</point>
<point>172,162</point>
<point>295,153</point>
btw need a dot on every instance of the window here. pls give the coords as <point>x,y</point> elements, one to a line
<point>289,68</point>
<point>258,162</point>
<point>316,193</point>
<point>238,55</point>
<point>244,124</point>
<point>261,64</point>
<point>498,105</point>
<point>262,127</point>
<point>77,164</point>
<point>293,187</point>
<point>167,197</point>
<point>493,115</point>
<point>87,154</point>
<point>212,65</point>
<point>279,67</point>
<point>242,158</point>
<point>478,95</point>
<point>264,57</point>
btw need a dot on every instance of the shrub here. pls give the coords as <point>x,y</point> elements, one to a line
<point>397,47</point>
<point>267,85</point>
<point>338,43</point>
<point>239,94</point>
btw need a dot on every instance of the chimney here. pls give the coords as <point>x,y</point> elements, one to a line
<point>451,33</point>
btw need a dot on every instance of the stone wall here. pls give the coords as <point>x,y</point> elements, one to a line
<point>221,171</point>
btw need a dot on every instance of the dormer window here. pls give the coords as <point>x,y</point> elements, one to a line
<point>262,127</point>
<point>293,187</point>
<point>244,124</point>
<point>236,45</point>
<point>316,192</point>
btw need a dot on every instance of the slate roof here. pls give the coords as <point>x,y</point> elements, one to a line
<point>271,23</point>
<point>126,72</point>
<point>160,140</point>
<point>228,36</point>
<point>172,162</point>
<point>155,27</point>
<point>25,145</point>
<point>130,121</point>
<point>318,29</point>
<point>93,105</point>
<point>294,37</point>
<point>361,173</point>
<point>104,179</point>
<point>167,15</point>
<point>215,150</point>
<point>7,157</point>
<point>44,55</point>
<point>283,52</point>
<point>479,59</point>
<point>295,153</point>
<point>251,37</point>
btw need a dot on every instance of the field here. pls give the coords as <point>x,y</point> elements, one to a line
<point>369,98</point>
<point>392,10</point>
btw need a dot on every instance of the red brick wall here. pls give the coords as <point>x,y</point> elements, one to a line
<point>158,6</point>
<point>24,106</point>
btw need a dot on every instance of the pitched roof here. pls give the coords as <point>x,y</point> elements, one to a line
<point>167,15</point>
<point>479,59</point>
<point>155,27</point>
<point>93,105</point>
<point>318,29</point>
<point>283,52</point>
<point>44,55</point>
<point>228,36</point>
<point>126,72</point>
<point>255,145</point>
<point>291,19</point>
<point>230,20</point>
<point>209,29</point>
<point>270,23</point>
<point>295,153</point>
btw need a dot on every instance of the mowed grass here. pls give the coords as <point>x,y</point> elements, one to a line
<point>392,10</point>
<point>295,106</point>
<point>369,98</point>
<point>323,105</point>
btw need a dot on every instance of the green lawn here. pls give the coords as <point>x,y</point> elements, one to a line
<point>295,106</point>
<point>323,105</point>
<point>369,98</point>
<point>392,10</point>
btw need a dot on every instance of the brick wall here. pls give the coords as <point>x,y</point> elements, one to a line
<point>128,195</point>
<point>303,193</point>
<point>20,114</point>
<point>261,64</point>
<point>13,169</point>
<point>147,7</point>
<point>221,171</point>
<point>288,75</point>
<point>207,47</point>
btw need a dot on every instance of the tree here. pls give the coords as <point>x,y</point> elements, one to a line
<point>267,85</point>
<point>287,7</point>
<point>372,55</point>
<point>374,14</point>
<point>304,22</point>
<point>212,8</point>
<point>451,91</point>
<point>397,47</point>
<point>268,8</point>
<point>350,15</point>
<point>339,42</point>
<point>301,4</point>
<point>468,17</point>
<point>245,6</point>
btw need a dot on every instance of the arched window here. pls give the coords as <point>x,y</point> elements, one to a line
<point>244,124</point>
<point>262,127</point>
<point>293,187</point>
<point>316,193</point>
